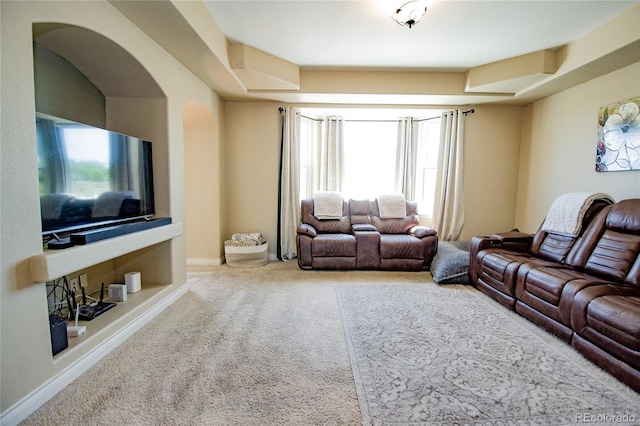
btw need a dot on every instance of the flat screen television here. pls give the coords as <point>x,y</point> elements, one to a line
<point>90,177</point>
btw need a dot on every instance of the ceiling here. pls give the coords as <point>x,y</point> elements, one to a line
<point>352,52</point>
<point>452,36</point>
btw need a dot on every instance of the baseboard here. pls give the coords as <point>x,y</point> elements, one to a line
<point>217,261</point>
<point>31,402</point>
<point>205,262</point>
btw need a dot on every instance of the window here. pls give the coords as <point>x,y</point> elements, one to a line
<point>369,158</point>
<point>426,165</point>
<point>369,149</point>
<point>306,135</point>
<point>68,164</point>
<point>88,164</point>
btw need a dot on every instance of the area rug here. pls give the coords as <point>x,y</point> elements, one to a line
<point>424,354</point>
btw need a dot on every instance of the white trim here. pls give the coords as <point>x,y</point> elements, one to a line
<point>32,401</point>
<point>205,261</point>
<point>217,261</point>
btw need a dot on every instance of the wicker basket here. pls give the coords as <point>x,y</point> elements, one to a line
<point>247,256</point>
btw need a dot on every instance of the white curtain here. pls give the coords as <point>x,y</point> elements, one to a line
<point>448,211</point>
<point>328,155</point>
<point>289,191</point>
<point>405,170</point>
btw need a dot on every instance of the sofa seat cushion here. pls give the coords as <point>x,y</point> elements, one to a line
<point>618,318</point>
<point>548,283</point>
<point>334,245</point>
<point>608,317</point>
<point>550,291</point>
<point>399,246</point>
<point>498,268</point>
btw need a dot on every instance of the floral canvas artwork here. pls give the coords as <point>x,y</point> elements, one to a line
<point>618,146</point>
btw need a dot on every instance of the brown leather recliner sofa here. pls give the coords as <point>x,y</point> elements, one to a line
<point>583,288</point>
<point>362,239</point>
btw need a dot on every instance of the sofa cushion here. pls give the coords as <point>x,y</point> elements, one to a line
<point>614,256</point>
<point>307,216</point>
<point>547,292</point>
<point>342,245</point>
<point>400,246</point>
<point>498,269</point>
<point>624,217</point>
<point>547,283</point>
<point>552,247</point>
<point>450,265</point>
<point>608,317</point>
<point>395,226</point>
<point>618,318</point>
<point>360,211</point>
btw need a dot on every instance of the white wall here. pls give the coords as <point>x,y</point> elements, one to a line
<point>203,186</point>
<point>26,360</point>
<point>492,149</point>
<point>63,91</point>
<point>559,145</point>
<point>252,156</point>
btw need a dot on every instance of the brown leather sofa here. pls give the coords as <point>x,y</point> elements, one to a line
<point>362,239</point>
<point>585,289</point>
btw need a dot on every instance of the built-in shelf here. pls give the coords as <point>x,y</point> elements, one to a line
<point>53,264</point>
<point>120,315</point>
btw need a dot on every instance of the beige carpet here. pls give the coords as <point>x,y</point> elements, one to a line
<point>262,346</point>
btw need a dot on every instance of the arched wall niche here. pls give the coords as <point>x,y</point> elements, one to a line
<point>109,66</point>
<point>202,183</point>
<point>89,69</point>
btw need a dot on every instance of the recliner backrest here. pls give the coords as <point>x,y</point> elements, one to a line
<point>332,226</point>
<point>360,211</point>
<point>395,226</point>
<point>615,254</point>
<point>556,247</point>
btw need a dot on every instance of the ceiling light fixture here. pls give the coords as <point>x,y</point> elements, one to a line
<point>410,13</point>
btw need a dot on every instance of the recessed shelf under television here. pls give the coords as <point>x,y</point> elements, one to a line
<point>96,193</point>
<point>52,264</point>
<point>119,317</point>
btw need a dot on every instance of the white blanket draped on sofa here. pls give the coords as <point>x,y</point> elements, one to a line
<point>327,205</point>
<point>567,211</point>
<point>392,206</point>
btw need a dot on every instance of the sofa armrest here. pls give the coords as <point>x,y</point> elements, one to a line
<point>306,229</point>
<point>421,231</point>
<point>477,245</point>
<point>514,241</point>
<point>363,227</point>
<point>514,237</point>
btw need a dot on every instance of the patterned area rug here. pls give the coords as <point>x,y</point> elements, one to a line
<point>424,354</point>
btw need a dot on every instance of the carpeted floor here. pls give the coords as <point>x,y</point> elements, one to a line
<point>279,346</point>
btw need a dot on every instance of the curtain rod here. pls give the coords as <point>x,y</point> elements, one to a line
<point>469,111</point>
